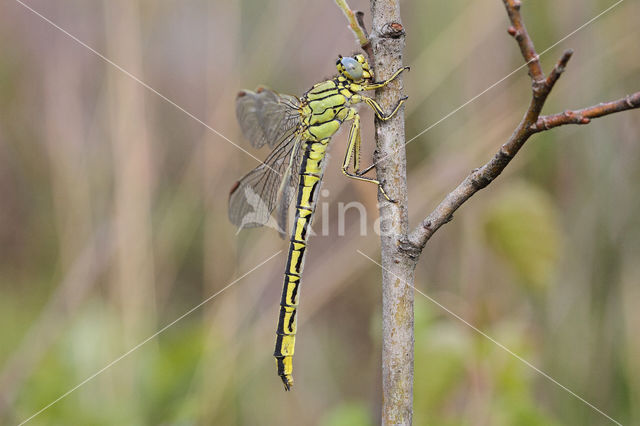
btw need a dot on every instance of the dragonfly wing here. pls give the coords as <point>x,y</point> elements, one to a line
<point>289,187</point>
<point>266,117</point>
<point>255,196</point>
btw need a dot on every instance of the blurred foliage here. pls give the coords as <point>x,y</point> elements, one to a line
<point>522,226</point>
<point>113,221</point>
<point>348,414</point>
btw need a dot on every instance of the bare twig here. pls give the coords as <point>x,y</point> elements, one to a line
<point>519,32</point>
<point>531,123</point>
<point>363,27</point>
<point>585,115</point>
<point>356,23</point>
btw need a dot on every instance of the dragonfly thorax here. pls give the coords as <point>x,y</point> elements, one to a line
<point>325,107</point>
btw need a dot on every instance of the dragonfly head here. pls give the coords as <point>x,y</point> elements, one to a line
<point>355,68</point>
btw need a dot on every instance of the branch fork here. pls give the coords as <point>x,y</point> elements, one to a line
<point>531,124</point>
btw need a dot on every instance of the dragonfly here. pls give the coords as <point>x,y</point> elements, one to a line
<point>298,130</point>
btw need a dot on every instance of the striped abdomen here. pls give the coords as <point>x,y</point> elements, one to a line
<point>308,188</point>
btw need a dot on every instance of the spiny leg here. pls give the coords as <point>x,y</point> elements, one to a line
<point>378,109</point>
<point>380,114</point>
<point>362,172</point>
<point>374,105</point>
<point>379,84</point>
<point>354,140</point>
<point>356,151</point>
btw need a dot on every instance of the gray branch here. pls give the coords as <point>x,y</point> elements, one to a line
<point>387,41</point>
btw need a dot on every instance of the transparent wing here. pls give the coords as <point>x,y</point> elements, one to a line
<point>267,117</point>
<point>255,196</point>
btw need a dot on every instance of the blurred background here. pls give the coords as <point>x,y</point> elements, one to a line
<point>113,220</point>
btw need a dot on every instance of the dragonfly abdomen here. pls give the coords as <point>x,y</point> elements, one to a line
<point>308,188</point>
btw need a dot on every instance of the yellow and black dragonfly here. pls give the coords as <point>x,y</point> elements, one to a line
<point>299,130</point>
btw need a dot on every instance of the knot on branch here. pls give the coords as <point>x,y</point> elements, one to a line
<point>503,156</point>
<point>514,33</point>
<point>540,88</point>
<point>408,248</point>
<point>572,118</point>
<point>392,30</point>
<point>478,180</point>
<point>629,100</point>
<point>540,125</point>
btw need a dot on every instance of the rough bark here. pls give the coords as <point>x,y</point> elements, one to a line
<point>387,41</point>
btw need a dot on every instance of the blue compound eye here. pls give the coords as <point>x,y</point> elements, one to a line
<point>352,68</point>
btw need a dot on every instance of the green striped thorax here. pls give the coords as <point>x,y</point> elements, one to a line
<point>327,105</point>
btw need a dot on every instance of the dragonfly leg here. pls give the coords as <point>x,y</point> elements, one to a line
<point>379,84</point>
<point>354,141</point>
<point>362,172</point>
<point>356,148</point>
<point>378,109</point>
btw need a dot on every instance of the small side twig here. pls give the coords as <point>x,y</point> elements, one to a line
<point>585,115</point>
<point>519,32</point>
<point>360,19</point>
<point>356,24</point>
